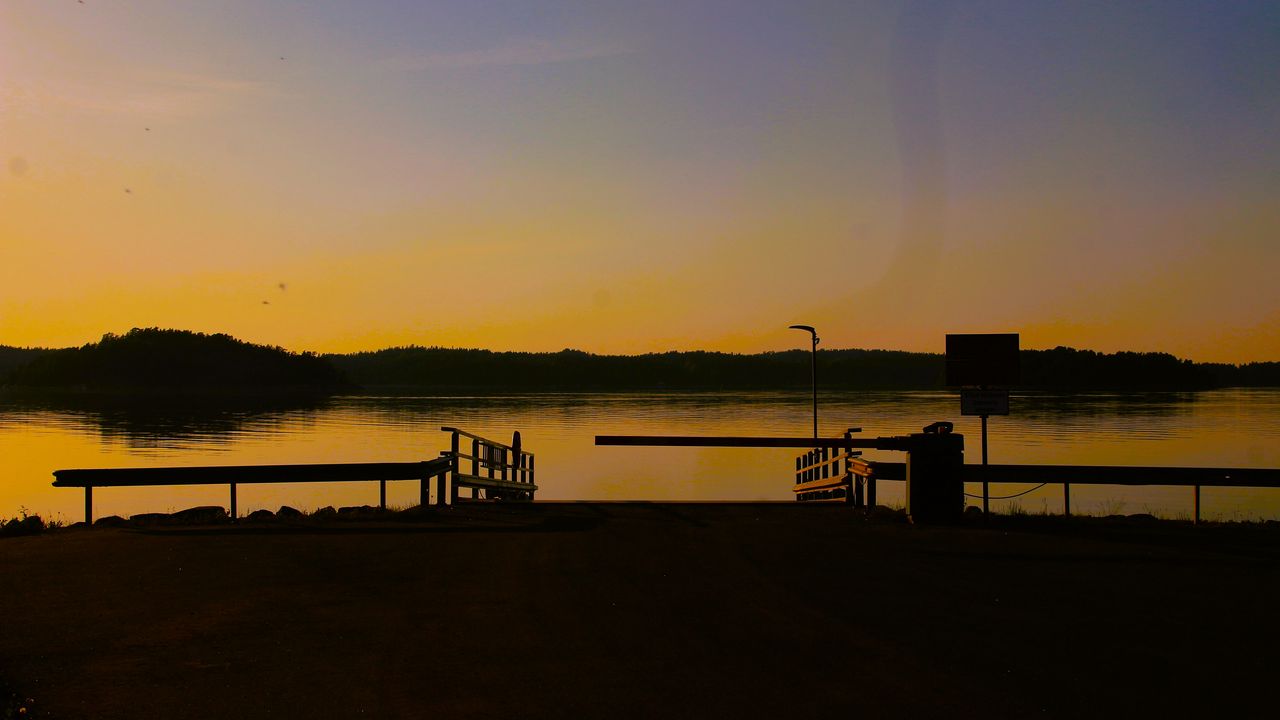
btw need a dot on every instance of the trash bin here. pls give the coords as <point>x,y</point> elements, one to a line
<point>935,466</point>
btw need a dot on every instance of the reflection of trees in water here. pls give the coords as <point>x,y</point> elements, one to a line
<point>413,410</point>
<point>1058,405</point>
<point>173,421</point>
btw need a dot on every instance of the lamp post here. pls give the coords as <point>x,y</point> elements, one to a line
<point>813,374</point>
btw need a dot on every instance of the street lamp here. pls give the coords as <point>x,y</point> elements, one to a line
<point>813,373</point>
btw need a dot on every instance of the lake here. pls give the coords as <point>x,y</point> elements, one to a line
<point>1223,428</point>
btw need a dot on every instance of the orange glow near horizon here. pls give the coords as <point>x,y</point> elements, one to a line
<point>638,181</point>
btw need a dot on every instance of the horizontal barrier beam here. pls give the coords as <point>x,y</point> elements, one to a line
<point>879,470</point>
<point>1091,474</point>
<point>1123,475</point>
<point>223,475</point>
<point>735,441</point>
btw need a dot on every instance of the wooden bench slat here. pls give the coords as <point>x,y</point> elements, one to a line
<point>821,484</point>
<point>495,483</point>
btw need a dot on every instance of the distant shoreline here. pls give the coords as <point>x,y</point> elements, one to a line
<point>176,361</point>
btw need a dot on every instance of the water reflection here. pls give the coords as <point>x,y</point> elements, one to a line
<point>169,422</point>
<point>1229,428</point>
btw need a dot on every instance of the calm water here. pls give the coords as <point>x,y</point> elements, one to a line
<point>1229,428</point>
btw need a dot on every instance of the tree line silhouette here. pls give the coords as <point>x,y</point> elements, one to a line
<point>174,359</point>
<point>156,358</point>
<point>1060,367</point>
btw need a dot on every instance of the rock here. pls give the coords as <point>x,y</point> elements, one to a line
<point>325,512</point>
<point>287,512</point>
<point>110,521</point>
<point>261,515</point>
<point>357,510</point>
<point>202,515</point>
<point>973,511</point>
<point>1142,517</point>
<point>150,518</point>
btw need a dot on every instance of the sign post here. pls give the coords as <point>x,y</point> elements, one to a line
<point>976,363</point>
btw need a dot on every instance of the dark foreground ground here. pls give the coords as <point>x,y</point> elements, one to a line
<point>643,610</point>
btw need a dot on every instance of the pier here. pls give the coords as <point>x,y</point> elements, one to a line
<point>498,470</point>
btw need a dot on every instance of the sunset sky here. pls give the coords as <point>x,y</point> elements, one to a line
<point>641,176</point>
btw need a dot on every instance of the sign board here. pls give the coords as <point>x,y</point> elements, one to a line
<point>983,360</point>
<point>984,402</point>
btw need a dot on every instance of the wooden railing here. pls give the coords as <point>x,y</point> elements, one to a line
<point>502,472</point>
<point>824,474</point>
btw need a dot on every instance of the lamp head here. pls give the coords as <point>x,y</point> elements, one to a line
<point>809,329</point>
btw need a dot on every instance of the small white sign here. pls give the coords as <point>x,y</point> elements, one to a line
<point>984,402</point>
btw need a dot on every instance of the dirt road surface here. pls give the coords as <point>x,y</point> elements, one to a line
<point>638,610</point>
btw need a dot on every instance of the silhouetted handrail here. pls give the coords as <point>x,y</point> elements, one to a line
<point>823,474</point>
<point>503,472</point>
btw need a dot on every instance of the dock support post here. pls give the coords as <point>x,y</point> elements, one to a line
<point>986,496</point>
<point>871,491</point>
<point>440,492</point>
<point>382,495</point>
<point>1066,499</point>
<point>233,502</point>
<point>1196,502</point>
<point>88,504</point>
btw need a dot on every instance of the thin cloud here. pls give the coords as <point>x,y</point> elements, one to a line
<point>169,95</point>
<point>516,54</point>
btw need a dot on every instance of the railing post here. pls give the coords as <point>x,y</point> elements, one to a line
<point>233,502</point>
<point>440,491</point>
<point>88,504</point>
<point>871,490</point>
<point>1066,499</point>
<point>531,476</point>
<point>475,456</point>
<point>453,480</point>
<point>850,483</point>
<point>382,494</point>
<point>1196,503</point>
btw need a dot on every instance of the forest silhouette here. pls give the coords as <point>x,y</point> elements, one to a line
<point>178,359</point>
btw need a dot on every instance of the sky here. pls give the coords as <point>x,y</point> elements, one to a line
<point>624,177</point>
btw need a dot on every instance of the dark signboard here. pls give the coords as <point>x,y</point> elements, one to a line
<point>984,402</point>
<point>989,359</point>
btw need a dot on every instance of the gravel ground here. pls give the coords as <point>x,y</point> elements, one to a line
<point>642,610</point>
